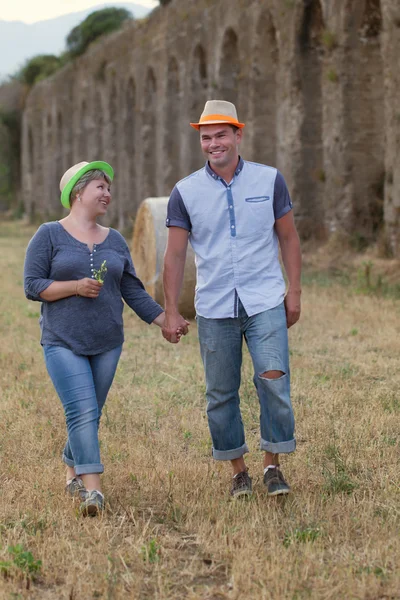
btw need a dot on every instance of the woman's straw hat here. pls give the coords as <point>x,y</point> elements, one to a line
<point>218,111</point>
<point>70,177</point>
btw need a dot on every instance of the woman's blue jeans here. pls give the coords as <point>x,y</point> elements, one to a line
<point>221,351</point>
<point>82,383</point>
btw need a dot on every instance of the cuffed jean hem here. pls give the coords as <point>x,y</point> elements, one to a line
<point>230,454</point>
<point>278,447</point>
<point>68,461</point>
<point>86,469</point>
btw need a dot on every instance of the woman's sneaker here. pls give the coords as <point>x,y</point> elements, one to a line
<point>275,482</point>
<point>241,485</point>
<point>75,488</point>
<point>93,504</point>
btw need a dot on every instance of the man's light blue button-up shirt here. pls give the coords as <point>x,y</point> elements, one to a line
<point>233,236</point>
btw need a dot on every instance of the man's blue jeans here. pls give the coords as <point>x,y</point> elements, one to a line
<point>82,383</point>
<point>221,350</point>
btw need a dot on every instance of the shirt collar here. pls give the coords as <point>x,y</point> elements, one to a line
<point>213,174</point>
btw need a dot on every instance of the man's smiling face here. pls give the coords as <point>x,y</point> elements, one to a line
<point>220,145</point>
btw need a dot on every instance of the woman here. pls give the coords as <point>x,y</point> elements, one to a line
<point>80,271</point>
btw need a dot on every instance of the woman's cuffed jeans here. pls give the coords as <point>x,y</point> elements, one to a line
<point>221,351</point>
<point>82,383</point>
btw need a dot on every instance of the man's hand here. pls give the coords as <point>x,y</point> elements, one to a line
<point>292,307</point>
<point>174,327</point>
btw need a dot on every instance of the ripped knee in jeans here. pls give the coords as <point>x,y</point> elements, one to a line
<point>272,374</point>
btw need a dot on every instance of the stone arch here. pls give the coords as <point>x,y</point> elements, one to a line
<point>110,151</point>
<point>82,153</point>
<point>371,25</point>
<point>229,67</point>
<point>60,146</point>
<point>265,91</point>
<point>40,171</point>
<point>68,131</point>
<point>49,134</point>
<point>98,126</point>
<point>127,162</point>
<point>30,172</point>
<point>130,120</point>
<point>172,141</point>
<point>50,183</point>
<point>31,151</point>
<point>149,135</point>
<point>59,153</point>
<point>198,95</point>
<point>310,173</point>
<point>366,124</point>
<point>113,122</point>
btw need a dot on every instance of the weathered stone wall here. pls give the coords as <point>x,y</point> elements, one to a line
<point>11,104</point>
<point>316,81</point>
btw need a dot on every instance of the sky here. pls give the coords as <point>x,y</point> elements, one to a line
<point>30,11</point>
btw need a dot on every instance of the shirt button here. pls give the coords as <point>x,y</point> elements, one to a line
<point>91,270</point>
<point>233,227</point>
<point>230,206</point>
<point>94,250</point>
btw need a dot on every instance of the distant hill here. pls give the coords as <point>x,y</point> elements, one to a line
<point>19,41</point>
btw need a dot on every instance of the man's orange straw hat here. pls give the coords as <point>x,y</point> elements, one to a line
<point>218,111</point>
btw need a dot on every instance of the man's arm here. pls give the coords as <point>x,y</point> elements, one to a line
<point>174,266</point>
<point>291,256</point>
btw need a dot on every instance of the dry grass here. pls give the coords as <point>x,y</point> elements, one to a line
<point>171,531</point>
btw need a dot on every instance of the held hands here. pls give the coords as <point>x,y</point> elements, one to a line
<point>175,326</point>
<point>90,288</point>
<point>292,307</point>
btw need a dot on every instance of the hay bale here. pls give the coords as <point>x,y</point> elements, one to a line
<point>148,246</point>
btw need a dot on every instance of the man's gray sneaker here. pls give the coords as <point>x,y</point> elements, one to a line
<point>75,488</point>
<point>241,485</point>
<point>275,482</point>
<point>93,504</point>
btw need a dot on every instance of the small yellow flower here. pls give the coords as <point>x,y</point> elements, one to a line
<point>100,274</point>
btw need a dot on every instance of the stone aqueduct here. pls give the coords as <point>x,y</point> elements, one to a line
<point>315,81</point>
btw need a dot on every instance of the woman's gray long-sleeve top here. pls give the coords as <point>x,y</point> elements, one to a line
<point>84,325</point>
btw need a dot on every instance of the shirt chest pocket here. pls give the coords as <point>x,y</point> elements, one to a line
<point>259,213</point>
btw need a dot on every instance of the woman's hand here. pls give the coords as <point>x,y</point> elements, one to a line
<point>178,333</point>
<point>90,288</point>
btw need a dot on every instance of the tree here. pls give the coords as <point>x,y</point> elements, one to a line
<point>38,67</point>
<point>96,24</point>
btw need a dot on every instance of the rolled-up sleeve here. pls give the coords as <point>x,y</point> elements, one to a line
<point>177,215</point>
<point>38,264</point>
<point>134,293</point>
<point>282,201</point>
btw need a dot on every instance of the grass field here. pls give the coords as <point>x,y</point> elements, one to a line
<point>170,531</point>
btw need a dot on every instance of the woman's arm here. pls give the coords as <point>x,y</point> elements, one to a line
<point>90,288</point>
<point>159,320</point>
<point>37,265</point>
<point>134,293</point>
<point>140,301</point>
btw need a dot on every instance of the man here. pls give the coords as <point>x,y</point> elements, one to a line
<point>234,213</point>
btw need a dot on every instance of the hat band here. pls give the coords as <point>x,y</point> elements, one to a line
<point>223,118</point>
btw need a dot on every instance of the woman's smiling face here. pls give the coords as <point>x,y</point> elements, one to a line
<point>96,196</point>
